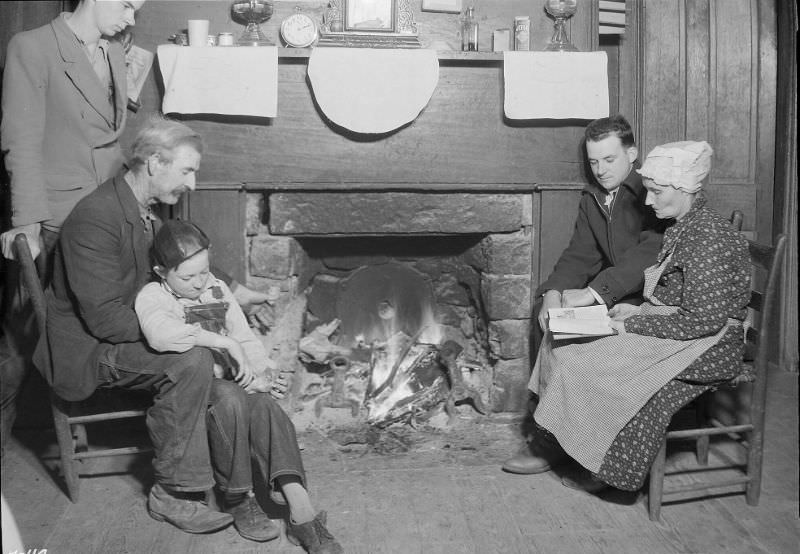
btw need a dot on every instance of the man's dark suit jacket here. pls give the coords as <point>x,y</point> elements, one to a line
<point>610,253</point>
<point>101,263</point>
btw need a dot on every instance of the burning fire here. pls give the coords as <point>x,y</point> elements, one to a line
<point>394,378</point>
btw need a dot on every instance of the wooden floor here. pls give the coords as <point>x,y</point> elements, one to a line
<point>424,492</point>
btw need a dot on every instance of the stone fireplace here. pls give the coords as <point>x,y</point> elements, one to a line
<point>373,282</point>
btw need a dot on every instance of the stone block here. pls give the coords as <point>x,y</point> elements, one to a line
<point>510,386</point>
<point>508,253</point>
<point>297,213</point>
<point>254,214</point>
<point>272,257</point>
<point>447,289</point>
<point>510,338</point>
<point>506,296</point>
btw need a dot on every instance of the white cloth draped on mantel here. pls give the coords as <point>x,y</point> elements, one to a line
<point>555,85</point>
<point>372,90</point>
<point>220,80</point>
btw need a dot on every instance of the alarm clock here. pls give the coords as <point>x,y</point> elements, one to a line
<point>299,30</point>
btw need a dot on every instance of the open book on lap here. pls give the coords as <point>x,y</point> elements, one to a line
<point>585,321</point>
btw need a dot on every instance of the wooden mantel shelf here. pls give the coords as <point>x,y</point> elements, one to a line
<point>490,188</point>
<point>443,55</point>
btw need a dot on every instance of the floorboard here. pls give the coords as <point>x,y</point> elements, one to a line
<point>444,494</point>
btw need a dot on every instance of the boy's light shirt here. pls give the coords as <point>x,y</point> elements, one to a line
<point>163,323</point>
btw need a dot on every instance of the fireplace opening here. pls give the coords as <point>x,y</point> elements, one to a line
<point>394,330</point>
<point>419,313</point>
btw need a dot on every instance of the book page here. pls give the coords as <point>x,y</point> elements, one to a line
<point>582,321</point>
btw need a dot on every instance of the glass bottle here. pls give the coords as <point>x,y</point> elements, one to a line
<point>469,31</point>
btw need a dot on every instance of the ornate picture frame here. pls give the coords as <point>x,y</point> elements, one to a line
<point>374,16</point>
<point>369,24</point>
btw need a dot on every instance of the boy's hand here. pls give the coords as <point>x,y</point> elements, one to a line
<point>244,373</point>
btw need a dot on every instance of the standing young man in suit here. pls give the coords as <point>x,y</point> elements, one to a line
<point>64,109</point>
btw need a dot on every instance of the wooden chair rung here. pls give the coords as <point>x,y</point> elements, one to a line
<point>108,453</point>
<point>706,431</point>
<point>106,416</point>
<point>689,487</point>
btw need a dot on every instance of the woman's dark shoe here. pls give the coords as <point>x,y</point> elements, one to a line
<point>585,481</point>
<point>313,536</point>
<point>250,520</point>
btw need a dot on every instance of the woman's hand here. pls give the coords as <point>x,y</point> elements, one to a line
<point>617,325</point>
<point>623,311</point>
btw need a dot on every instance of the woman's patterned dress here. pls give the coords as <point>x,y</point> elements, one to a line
<point>709,279</point>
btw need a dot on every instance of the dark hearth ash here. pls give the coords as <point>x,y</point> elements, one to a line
<point>371,439</point>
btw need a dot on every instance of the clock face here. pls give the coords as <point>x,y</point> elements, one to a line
<point>299,30</point>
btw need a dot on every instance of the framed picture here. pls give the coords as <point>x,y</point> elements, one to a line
<point>370,24</point>
<point>447,6</point>
<point>371,16</point>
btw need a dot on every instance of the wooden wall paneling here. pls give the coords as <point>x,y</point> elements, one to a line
<point>735,92</point>
<point>785,192</point>
<point>631,66</point>
<point>221,215</point>
<point>558,210</point>
<point>22,16</point>
<point>707,74</point>
<point>662,76</point>
<point>766,29</point>
<point>698,39</point>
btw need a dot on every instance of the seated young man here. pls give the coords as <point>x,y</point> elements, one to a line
<point>615,238</point>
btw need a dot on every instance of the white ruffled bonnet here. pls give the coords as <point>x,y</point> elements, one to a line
<point>682,165</point>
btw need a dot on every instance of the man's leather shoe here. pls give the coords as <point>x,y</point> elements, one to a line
<point>192,516</point>
<point>536,457</point>
<point>250,520</point>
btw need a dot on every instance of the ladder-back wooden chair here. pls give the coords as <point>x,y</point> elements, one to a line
<point>70,418</point>
<point>767,262</point>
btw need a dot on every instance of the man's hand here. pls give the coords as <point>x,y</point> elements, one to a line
<point>623,311</point>
<point>257,306</point>
<point>31,231</point>
<point>275,386</point>
<point>573,298</point>
<point>551,299</point>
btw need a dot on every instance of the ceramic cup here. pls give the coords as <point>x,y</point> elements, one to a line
<point>198,32</point>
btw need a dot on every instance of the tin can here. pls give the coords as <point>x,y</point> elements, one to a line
<point>522,32</point>
<point>212,40</point>
<point>225,39</point>
<point>501,40</point>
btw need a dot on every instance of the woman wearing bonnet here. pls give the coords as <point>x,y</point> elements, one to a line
<point>607,402</point>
